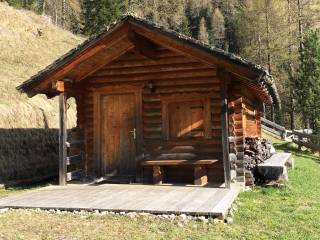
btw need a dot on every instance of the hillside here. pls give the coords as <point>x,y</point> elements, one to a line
<point>23,52</point>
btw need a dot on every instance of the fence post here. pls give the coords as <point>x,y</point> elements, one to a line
<point>299,141</point>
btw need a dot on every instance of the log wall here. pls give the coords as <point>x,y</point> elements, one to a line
<point>236,133</point>
<point>172,75</point>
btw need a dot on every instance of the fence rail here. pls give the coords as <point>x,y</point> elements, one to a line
<point>274,128</point>
<point>307,140</point>
<point>311,141</point>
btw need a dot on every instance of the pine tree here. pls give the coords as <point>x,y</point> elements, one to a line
<point>184,29</point>
<point>307,84</point>
<point>96,14</point>
<point>169,13</point>
<point>218,29</point>
<point>203,35</point>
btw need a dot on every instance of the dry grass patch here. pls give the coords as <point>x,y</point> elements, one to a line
<point>23,52</point>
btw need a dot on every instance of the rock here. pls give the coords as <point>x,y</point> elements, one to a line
<point>272,150</point>
<point>234,207</point>
<point>96,212</point>
<point>190,217</point>
<point>183,217</point>
<point>229,220</point>
<point>103,213</point>
<point>180,224</point>
<point>290,163</point>
<point>217,221</point>
<point>233,158</point>
<point>233,174</point>
<point>203,219</point>
<point>4,210</point>
<point>132,214</point>
<point>144,214</point>
<point>231,212</point>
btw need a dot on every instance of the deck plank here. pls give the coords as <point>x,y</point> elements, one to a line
<point>193,200</point>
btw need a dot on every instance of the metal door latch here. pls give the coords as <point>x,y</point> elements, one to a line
<point>134,133</point>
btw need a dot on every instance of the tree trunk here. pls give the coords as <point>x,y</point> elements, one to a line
<point>300,23</point>
<point>291,94</point>
<point>259,47</point>
<point>25,4</point>
<point>63,12</point>
<point>42,7</point>
<point>267,6</point>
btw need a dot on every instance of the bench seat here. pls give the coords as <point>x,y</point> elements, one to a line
<point>174,162</point>
<point>200,173</point>
<point>275,168</point>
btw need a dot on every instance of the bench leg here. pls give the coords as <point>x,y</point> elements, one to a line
<point>200,175</point>
<point>157,175</point>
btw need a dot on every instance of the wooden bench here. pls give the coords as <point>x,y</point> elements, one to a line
<point>275,168</point>
<point>200,173</point>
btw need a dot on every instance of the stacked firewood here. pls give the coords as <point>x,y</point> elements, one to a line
<point>256,151</point>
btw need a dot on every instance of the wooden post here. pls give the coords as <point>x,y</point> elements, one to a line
<point>263,110</point>
<point>62,134</point>
<point>272,113</point>
<point>225,131</point>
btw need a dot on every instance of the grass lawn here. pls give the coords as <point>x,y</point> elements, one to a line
<point>292,212</point>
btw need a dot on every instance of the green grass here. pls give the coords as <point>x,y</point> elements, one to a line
<point>292,212</point>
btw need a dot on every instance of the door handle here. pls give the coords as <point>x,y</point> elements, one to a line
<point>134,133</point>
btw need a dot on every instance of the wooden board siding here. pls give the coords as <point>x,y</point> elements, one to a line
<point>173,75</point>
<point>252,121</point>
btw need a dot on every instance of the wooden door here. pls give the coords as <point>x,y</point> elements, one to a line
<point>118,134</point>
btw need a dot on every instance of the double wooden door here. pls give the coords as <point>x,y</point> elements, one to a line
<point>118,134</point>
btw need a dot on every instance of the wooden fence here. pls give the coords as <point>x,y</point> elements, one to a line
<point>274,128</point>
<point>311,141</point>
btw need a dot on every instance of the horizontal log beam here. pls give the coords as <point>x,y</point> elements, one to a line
<point>126,63</point>
<point>155,68</point>
<point>272,124</point>
<point>205,72</point>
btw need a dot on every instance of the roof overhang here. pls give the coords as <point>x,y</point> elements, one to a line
<point>119,38</point>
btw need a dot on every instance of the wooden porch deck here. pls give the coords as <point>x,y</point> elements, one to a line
<point>157,199</point>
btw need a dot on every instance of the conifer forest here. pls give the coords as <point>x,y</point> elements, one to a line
<point>281,35</point>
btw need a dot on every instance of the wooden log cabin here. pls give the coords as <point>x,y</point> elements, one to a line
<point>155,106</point>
